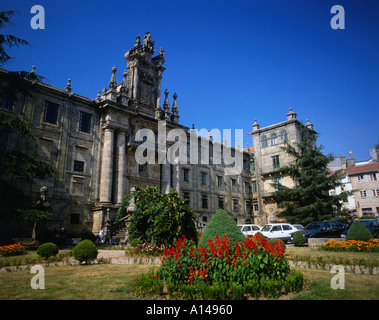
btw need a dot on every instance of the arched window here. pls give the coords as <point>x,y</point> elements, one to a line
<point>264,142</point>
<point>274,139</point>
<point>284,136</point>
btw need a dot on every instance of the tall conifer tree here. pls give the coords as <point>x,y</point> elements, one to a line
<point>309,199</point>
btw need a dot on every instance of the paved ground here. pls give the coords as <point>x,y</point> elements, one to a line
<point>118,257</point>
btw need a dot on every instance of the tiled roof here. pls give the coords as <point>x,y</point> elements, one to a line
<point>371,167</point>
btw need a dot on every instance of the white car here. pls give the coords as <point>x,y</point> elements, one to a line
<point>250,229</point>
<point>278,231</point>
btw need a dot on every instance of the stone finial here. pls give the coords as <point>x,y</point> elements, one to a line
<point>255,125</point>
<point>124,81</point>
<point>175,109</point>
<point>138,41</point>
<point>291,115</point>
<point>309,125</point>
<point>147,42</point>
<point>166,106</point>
<point>161,52</point>
<point>98,98</point>
<point>223,140</point>
<point>68,86</point>
<point>113,82</point>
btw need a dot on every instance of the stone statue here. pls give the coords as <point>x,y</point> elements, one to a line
<point>42,203</point>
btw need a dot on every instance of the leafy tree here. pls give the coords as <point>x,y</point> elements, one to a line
<point>8,41</point>
<point>309,199</point>
<point>160,218</point>
<point>17,166</point>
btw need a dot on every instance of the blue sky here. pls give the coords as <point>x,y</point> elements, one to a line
<point>228,61</point>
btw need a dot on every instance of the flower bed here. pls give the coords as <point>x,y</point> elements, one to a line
<point>221,271</point>
<point>12,250</point>
<point>352,245</point>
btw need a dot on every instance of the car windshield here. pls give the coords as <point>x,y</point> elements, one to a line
<point>314,226</point>
<point>267,227</point>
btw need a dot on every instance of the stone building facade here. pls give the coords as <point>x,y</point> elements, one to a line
<point>267,158</point>
<point>92,143</point>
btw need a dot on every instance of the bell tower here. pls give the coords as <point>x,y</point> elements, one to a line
<point>144,75</point>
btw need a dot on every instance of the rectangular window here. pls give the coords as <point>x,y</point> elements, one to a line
<point>372,177</point>
<point>78,166</point>
<point>74,218</point>
<point>275,162</point>
<point>247,187</point>
<point>362,178</point>
<point>203,178</point>
<point>252,166</point>
<point>234,184</point>
<point>5,102</point>
<point>235,204</point>
<point>85,122</point>
<point>221,202</point>
<point>186,196</point>
<point>256,207</point>
<point>219,181</point>
<point>375,192</point>
<point>204,202</point>
<point>51,112</point>
<point>363,194</point>
<point>185,174</point>
<point>254,186</point>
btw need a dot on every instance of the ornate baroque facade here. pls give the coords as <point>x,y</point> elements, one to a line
<point>92,144</point>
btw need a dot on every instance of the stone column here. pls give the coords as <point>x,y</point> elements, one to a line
<point>176,176</point>
<point>121,150</point>
<point>107,166</point>
<point>135,82</point>
<point>166,177</point>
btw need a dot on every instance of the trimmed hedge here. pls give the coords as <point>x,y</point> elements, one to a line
<point>47,250</point>
<point>222,223</point>
<point>85,251</point>
<point>299,239</point>
<point>359,232</point>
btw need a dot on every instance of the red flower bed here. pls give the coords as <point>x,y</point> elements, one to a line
<point>253,260</point>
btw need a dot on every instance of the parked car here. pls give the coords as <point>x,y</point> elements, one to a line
<point>369,214</point>
<point>298,226</point>
<point>278,231</point>
<point>371,224</point>
<point>250,229</point>
<point>324,229</point>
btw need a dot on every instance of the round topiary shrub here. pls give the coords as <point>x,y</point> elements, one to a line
<point>299,239</point>
<point>222,223</point>
<point>85,251</point>
<point>274,240</point>
<point>358,231</point>
<point>47,250</point>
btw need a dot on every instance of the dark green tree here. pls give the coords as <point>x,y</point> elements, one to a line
<point>309,200</point>
<point>17,166</point>
<point>159,218</point>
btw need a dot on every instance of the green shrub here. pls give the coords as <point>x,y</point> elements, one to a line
<point>47,250</point>
<point>273,242</point>
<point>294,281</point>
<point>299,239</point>
<point>135,242</point>
<point>88,235</point>
<point>220,224</point>
<point>358,231</point>
<point>85,251</point>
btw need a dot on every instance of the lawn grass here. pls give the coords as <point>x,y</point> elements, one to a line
<point>114,281</point>
<point>318,256</point>
<point>81,282</point>
<point>357,286</point>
